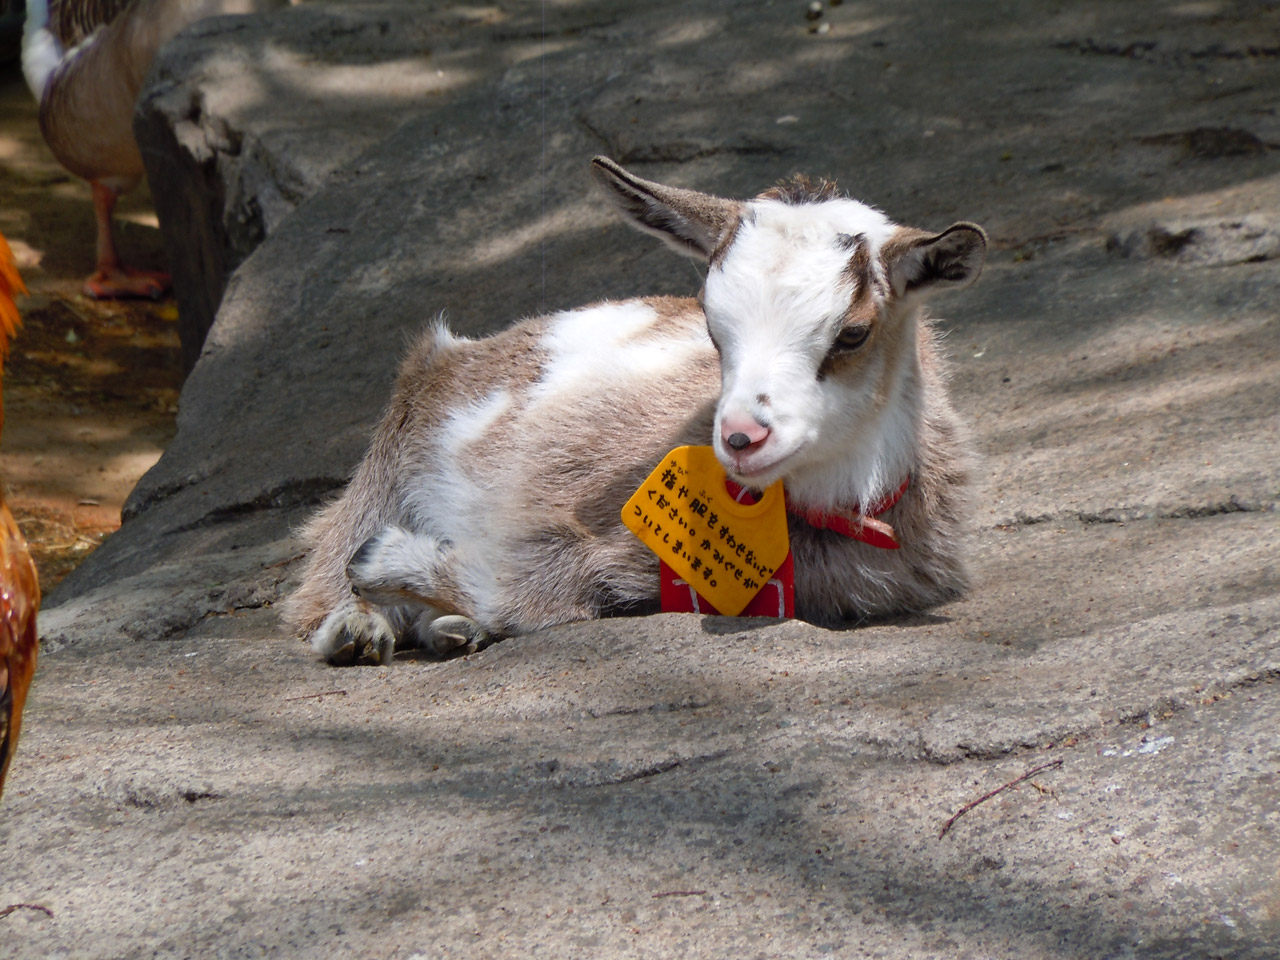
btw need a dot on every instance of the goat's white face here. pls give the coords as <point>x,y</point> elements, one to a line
<point>810,299</point>
<point>779,302</point>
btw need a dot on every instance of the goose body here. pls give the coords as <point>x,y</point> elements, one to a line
<point>85,61</point>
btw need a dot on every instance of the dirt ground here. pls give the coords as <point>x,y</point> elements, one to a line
<point>90,388</point>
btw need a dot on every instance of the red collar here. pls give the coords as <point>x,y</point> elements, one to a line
<point>857,524</point>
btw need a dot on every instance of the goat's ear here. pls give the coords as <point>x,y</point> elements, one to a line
<point>692,223</point>
<point>919,262</point>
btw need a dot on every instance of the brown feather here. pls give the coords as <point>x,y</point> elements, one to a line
<point>19,601</point>
<point>19,586</point>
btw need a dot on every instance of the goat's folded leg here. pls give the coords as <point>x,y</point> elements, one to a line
<point>397,567</point>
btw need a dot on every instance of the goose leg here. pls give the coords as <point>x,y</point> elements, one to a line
<point>112,279</point>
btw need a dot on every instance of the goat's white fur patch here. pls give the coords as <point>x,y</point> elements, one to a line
<point>589,349</point>
<point>453,498</point>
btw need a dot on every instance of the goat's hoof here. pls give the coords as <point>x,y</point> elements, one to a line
<point>344,656</point>
<point>352,635</point>
<point>453,634</point>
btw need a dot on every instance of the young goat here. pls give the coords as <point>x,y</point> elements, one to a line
<point>488,503</point>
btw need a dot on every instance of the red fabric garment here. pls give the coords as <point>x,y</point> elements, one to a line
<point>777,598</point>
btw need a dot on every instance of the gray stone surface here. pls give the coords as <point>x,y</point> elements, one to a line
<point>680,786</point>
<point>242,119</point>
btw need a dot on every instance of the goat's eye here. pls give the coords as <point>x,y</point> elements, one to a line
<point>851,338</point>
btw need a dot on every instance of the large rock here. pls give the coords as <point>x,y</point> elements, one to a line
<point>243,119</point>
<point>683,786</point>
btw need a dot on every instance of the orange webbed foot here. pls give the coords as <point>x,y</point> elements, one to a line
<point>121,283</point>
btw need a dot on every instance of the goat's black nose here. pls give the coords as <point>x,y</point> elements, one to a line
<point>739,441</point>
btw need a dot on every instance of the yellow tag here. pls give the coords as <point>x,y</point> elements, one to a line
<point>726,550</point>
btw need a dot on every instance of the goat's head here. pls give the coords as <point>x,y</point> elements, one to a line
<point>812,301</point>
